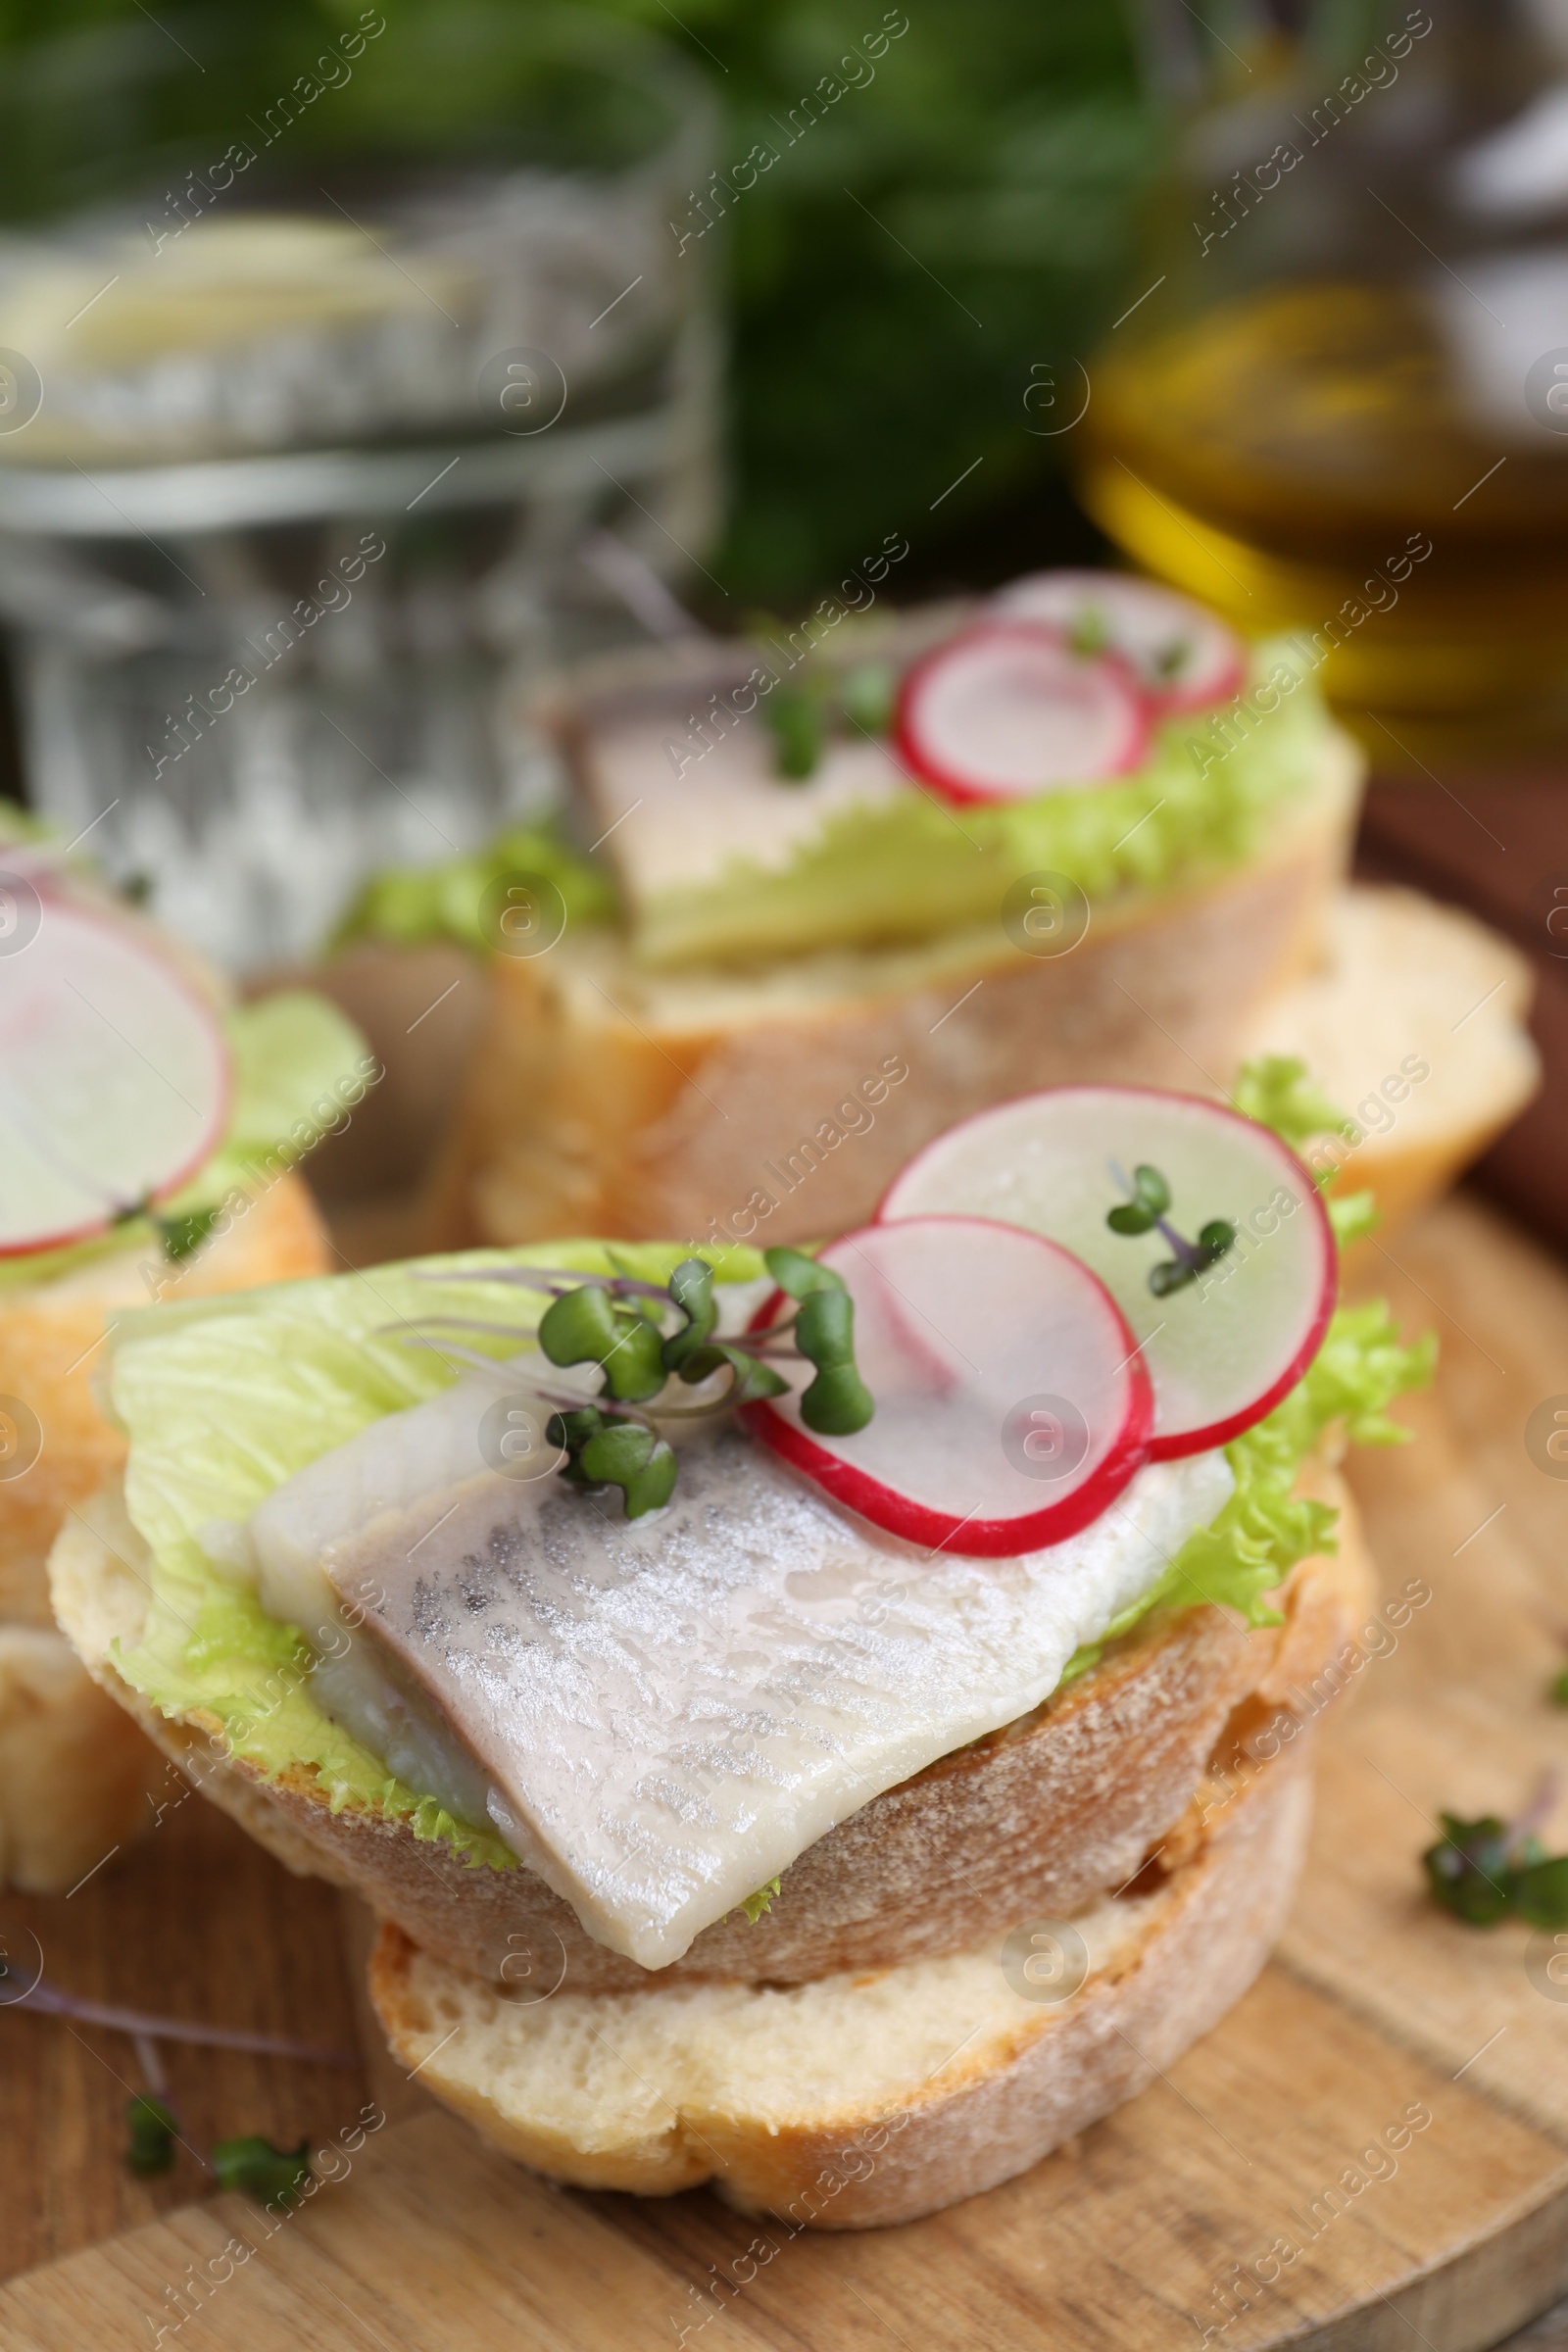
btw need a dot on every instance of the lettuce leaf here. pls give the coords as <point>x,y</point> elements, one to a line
<point>897,870</point>
<point>409,905</point>
<point>225,1397</point>
<point>1264,1529</point>
<point>298,1063</point>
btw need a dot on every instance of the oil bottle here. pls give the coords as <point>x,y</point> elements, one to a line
<point>1341,400</point>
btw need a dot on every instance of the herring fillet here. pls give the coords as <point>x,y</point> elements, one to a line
<point>671,1710</point>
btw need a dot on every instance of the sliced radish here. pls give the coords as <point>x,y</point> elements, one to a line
<point>1011,1403</point>
<point>113,1079</point>
<point>1008,708</point>
<point>1223,1349</point>
<point>1184,657</point>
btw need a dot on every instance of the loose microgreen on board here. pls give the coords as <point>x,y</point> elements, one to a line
<point>1488,1870</point>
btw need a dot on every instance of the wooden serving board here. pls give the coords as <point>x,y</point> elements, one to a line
<point>1235,2198</point>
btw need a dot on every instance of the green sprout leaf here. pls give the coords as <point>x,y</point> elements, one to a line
<point>1151,1190</point>
<point>799,727</point>
<point>691,1287</point>
<point>183,1236</point>
<point>1129,1218</point>
<point>627,1455</point>
<point>866,696</point>
<point>151,2132</point>
<point>798,1274</point>
<point>1467,1870</point>
<point>836,1401</point>
<point>588,1326</point>
<point>1558,1692</point>
<point>271,2176</point>
<point>1484,1871</point>
<point>753,1378</point>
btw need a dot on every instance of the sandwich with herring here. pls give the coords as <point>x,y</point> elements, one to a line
<point>813,898</point>
<point>795,1714</point>
<point>148,1135</point>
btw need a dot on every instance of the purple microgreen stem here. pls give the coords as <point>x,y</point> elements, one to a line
<point>572,1400</point>
<point>554,1279</point>
<point>1538,1811</point>
<point>140,2025</point>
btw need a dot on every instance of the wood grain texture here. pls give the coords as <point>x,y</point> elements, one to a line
<point>196,1923</point>
<point>1154,2227</point>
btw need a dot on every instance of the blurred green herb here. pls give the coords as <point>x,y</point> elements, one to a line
<point>274,2176</point>
<point>183,1236</point>
<point>803,713</point>
<point>1487,1870</point>
<point>151,2130</point>
<point>271,2176</point>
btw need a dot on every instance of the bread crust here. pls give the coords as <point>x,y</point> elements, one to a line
<point>1038,1817</point>
<point>992,2110</point>
<point>1406,986</point>
<point>605,1100</point>
<point>50,1354</point>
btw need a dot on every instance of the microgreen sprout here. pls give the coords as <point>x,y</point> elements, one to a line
<point>619,1324</point>
<point>273,2175</point>
<point>1144,1211</point>
<point>151,2130</point>
<point>1090,632</point>
<point>802,712</point>
<point>1487,1870</point>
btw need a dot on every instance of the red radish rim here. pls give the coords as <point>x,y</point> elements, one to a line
<point>1177,1446</point>
<point>959,789</point>
<point>69,1237</point>
<point>922,1523</point>
<point>1167,702</point>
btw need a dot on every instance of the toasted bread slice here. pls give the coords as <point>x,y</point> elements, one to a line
<point>51,1336</point>
<point>1413,1020</point>
<point>76,1773</point>
<point>1041,1816</point>
<point>866,2098</point>
<point>779,1102</point>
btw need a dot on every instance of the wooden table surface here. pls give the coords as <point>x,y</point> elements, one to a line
<point>1147,2234</point>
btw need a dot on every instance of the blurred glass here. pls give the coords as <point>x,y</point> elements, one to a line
<point>1355,345</point>
<point>316,373</point>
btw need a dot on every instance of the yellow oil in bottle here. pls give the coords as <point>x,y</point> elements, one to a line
<point>1281,452</point>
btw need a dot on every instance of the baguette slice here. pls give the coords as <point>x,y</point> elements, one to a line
<point>603,1097</point>
<point>1404,986</point>
<point>75,1769</point>
<point>1039,1817</point>
<point>50,1348</point>
<point>860,2099</point>
<point>76,1773</point>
